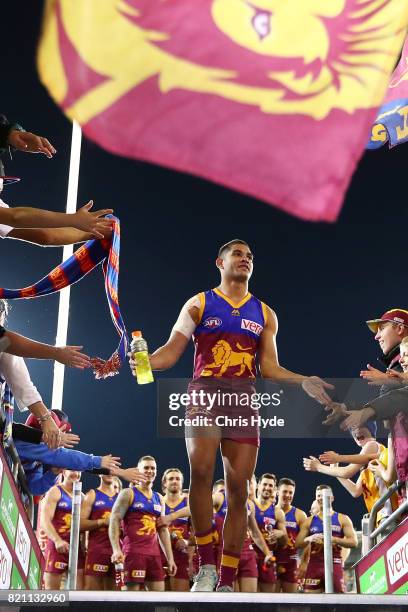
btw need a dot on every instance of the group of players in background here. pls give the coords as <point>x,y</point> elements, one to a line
<point>151,533</point>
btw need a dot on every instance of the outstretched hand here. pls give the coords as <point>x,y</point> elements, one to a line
<point>93,222</point>
<point>337,411</point>
<point>71,356</point>
<point>315,388</point>
<point>30,143</point>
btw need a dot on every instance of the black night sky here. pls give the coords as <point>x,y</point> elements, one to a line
<point>322,280</point>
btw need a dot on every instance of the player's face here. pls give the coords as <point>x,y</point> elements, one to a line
<point>219,488</point>
<point>387,336</point>
<point>107,480</point>
<point>174,482</point>
<point>266,489</point>
<point>71,476</point>
<point>361,435</point>
<point>286,494</point>
<point>238,263</point>
<point>404,357</point>
<point>319,499</point>
<point>148,468</point>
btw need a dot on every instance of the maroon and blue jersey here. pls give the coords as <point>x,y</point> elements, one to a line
<point>289,552</point>
<point>101,509</point>
<point>63,514</point>
<point>316,526</point>
<point>139,523</point>
<point>181,526</point>
<point>264,516</point>
<point>227,337</point>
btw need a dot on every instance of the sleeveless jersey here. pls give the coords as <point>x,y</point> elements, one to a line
<point>316,526</point>
<point>374,487</point>
<point>264,516</point>
<point>139,524</point>
<point>101,509</point>
<point>63,514</point>
<point>227,338</point>
<point>289,552</point>
<point>181,526</point>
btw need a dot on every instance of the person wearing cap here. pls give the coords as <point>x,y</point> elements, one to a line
<point>389,330</point>
<point>12,135</point>
<point>48,228</point>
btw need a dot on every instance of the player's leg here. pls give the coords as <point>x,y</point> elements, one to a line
<point>248,585</point>
<point>93,583</point>
<point>80,580</point>
<point>155,585</point>
<point>179,584</point>
<point>52,581</point>
<point>202,452</point>
<point>239,461</point>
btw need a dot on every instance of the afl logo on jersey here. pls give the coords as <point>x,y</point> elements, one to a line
<point>212,322</point>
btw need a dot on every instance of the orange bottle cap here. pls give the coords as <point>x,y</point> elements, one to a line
<point>136,334</point>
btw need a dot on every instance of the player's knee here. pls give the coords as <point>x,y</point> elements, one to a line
<point>201,475</point>
<point>237,492</point>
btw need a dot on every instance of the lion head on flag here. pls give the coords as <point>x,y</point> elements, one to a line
<point>292,56</point>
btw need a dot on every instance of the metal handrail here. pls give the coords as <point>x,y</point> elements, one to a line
<point>374,511</point>
<point>18,471</point>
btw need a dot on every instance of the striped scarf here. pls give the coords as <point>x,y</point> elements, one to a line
<point>85,259</point>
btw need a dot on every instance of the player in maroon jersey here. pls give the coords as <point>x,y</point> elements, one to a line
<point>56,522</point>
<point>179,528</point>
<point>311,532</point>
<point>95,514</point>
<point>139,508</point>
<point>287,558</point>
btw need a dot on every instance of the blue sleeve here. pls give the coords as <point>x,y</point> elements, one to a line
<point>39,482</point>
<point>59,457</point>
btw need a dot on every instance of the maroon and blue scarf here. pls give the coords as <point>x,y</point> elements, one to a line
<point>85,259</point>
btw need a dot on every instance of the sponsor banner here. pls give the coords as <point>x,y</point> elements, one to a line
<point>22,545</point>
<point>34,571</point>
<point>6,564</point>
<point>403,590</point>
<point>8,510</point>
<point>17,581</point>
<point>392,555</point>
<point>374,580</point>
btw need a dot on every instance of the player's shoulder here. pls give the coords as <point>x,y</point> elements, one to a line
<point>344,519</point>
<point>271,318</point>
<point>300,515</point>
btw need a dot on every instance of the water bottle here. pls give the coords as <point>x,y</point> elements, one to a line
<point>140,354</point>
<point>119,583</point>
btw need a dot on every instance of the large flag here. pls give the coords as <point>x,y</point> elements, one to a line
<point>274,98</point>
<point>391,124</point>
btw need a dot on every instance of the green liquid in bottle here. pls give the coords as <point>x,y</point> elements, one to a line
<point>144,372</point>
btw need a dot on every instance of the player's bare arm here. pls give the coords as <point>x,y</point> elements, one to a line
<point>166,356</point>
<point>280,531</point>
<point>349,539</point>
<point>164,537</point>
<point>303,533</point>
<point>48,510</point>
<point>120,507</point>
<point>256,534</point>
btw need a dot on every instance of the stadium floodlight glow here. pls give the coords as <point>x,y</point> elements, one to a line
<point>63,309</point>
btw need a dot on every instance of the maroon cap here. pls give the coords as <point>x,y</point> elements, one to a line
<point>395,315</point>
<point>7,179</point>
<point>58,419</point>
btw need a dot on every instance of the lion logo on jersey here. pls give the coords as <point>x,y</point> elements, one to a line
<point>148,525</point>
<point>297,56</point>
<point>225,357</point>
<point>67,523</point>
